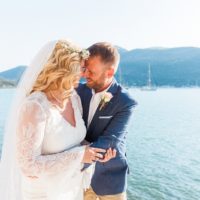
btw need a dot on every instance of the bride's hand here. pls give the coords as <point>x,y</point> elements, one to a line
<point>110,153</point>
<point>93,154</point>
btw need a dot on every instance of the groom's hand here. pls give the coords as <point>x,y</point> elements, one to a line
<point>93,154</point>
<point>110,153</point>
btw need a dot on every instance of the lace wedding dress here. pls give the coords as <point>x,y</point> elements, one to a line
<point>49,152</point>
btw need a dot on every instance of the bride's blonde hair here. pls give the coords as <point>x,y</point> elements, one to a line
<point>62,68</point>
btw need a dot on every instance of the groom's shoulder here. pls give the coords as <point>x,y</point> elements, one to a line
<point>125,96</point>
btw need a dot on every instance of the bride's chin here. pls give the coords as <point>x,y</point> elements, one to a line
<point>76,85</point>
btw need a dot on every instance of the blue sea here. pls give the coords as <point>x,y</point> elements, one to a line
<point>163,143</point>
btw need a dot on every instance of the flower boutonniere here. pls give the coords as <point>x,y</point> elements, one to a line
<point>106,97</point>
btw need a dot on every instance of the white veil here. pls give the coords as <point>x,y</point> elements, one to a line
<point>10,180</point>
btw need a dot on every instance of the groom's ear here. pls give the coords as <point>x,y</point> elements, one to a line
<point>111,72</point>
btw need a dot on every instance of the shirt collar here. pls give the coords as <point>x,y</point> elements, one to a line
<point>100,93</point>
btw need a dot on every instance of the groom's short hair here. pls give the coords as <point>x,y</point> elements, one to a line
<point>107,52</point>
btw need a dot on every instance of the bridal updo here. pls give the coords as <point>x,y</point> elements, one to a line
<point>63,68</point>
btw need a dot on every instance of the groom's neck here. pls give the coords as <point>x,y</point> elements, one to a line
<point>104,87</point>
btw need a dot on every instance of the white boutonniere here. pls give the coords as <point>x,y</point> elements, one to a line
<point>106,97</point>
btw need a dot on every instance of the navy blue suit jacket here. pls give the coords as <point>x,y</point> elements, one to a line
<point>108,128</point>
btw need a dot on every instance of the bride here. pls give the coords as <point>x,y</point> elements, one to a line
<point>42,157</point>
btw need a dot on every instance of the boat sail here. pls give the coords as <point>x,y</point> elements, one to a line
<point>149,86</point>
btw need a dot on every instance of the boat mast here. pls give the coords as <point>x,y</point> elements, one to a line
<point>149,76</point>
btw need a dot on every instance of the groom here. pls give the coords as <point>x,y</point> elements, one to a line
<point>107,109</point>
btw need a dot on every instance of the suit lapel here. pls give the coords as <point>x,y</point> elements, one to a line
<point>86,105</point>
<point>105,110</point>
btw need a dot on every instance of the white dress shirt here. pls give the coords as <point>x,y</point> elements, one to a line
<point>94,103</point>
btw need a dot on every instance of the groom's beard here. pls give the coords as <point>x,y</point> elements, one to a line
<point>97,86</point>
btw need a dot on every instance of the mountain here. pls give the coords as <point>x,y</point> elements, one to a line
<point>6,83</point>
<point>13,74</point>
<point>121,50</point>
<point>176,67</point>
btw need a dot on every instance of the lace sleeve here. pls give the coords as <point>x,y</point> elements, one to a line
<point>30,133</point>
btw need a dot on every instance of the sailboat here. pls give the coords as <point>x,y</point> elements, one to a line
<point>149,86</point>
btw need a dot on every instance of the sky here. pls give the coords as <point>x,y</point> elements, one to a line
<point>25,25</point>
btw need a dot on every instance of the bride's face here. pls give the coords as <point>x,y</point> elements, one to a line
<point>76,80</point>
<point>76,77</point>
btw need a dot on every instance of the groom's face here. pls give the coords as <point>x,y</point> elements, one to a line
<point>96,73</point>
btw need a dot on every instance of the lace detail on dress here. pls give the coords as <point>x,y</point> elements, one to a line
<point>30,133</point>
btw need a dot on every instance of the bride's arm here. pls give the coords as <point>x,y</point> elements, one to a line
<point>30,134</point>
